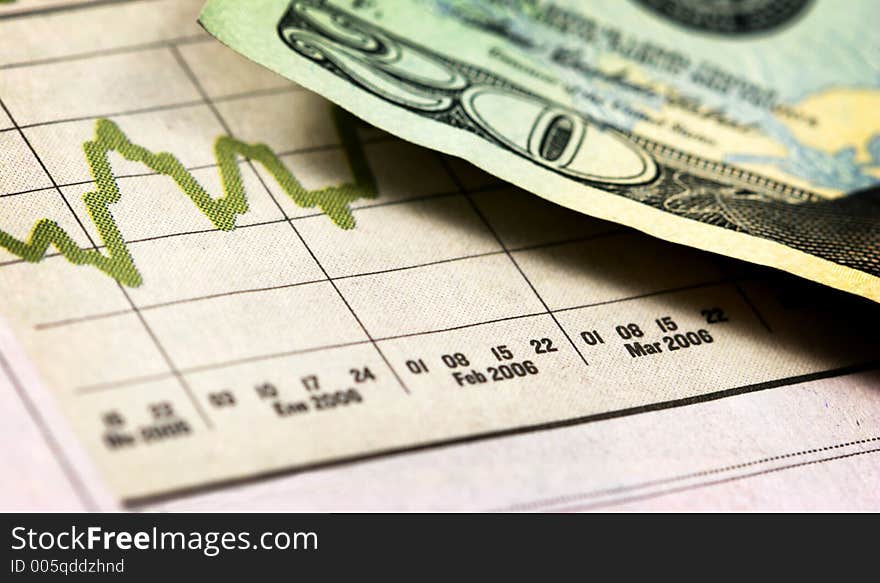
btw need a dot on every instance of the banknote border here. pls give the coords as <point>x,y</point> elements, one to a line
<point>729,240</point>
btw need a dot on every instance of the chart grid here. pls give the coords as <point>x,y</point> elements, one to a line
<point>173,45</point>
<point>445,261</point>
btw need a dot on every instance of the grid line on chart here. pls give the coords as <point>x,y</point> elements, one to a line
<point>70,321</point>
<point>157,108</point>
<point>293,152</point>
<point>206,100</point>
<point>134,502</point>
<point>167,358</point>
<point>27,13</point>
<point>162,351</point>
<point>192,76</point>
<point>748,301</point>
<point>510,256</point>
<point>236,361</point>
<point>722,267</point>
<point>368,206</point>
<point>181,40</point>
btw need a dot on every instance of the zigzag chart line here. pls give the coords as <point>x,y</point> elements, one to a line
<point>222,212</point>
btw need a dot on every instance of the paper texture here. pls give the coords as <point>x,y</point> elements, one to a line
<point>359,297</point>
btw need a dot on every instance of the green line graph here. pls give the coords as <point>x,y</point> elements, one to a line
<point>222,211</point>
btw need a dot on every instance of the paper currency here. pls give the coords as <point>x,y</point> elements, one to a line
<point>750,129</point>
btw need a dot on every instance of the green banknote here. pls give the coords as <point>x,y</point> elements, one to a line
<point>750,129</point>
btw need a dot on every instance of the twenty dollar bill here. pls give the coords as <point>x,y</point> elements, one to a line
<point>750,129</point>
